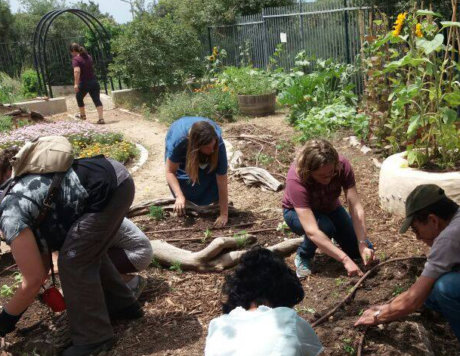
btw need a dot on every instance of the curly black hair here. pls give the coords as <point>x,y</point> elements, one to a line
<point>261,277</point>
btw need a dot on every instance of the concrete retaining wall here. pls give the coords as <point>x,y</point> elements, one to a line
<point>62,90</point>
<point>44,107</point>
<point>136,98</point>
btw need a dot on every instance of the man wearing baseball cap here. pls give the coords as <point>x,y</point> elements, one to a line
<point>435,220</point>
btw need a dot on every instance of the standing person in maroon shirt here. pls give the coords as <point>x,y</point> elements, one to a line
<point>312,208</point>
<point>85,80</point>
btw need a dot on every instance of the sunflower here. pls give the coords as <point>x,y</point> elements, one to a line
<point>418,30</point>
<point>399,24</point>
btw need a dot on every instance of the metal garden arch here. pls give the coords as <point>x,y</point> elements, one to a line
<point>39,46</point>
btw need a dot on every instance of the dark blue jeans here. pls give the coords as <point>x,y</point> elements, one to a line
<point>336,224</point>
<point>445,298</point>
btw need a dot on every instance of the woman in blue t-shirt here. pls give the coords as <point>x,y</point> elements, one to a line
<point>196,164</point>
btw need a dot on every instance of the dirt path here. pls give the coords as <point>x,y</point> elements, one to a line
<point>149,179</point>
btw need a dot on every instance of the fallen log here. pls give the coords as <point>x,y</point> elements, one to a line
<point>258,176</point>
<point>214,257</point>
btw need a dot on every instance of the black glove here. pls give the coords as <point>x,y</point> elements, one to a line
<point>8,322</point>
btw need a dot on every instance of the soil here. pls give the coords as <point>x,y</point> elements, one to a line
<point>179,305</point>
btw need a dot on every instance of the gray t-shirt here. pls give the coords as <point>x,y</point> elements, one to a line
<point>444,255</point>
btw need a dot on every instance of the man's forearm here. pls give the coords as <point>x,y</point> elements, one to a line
<point>403,305</point>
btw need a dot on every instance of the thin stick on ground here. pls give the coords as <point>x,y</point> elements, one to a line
<point>355,287</point>
<point>251,138</point>
<point>8,268</point>
<point>361,342</point>
<point>213,227</point>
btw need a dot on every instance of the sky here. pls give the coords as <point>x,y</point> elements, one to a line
<point>118,9</point>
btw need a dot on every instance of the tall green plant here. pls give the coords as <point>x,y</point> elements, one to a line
<point>424,91</point>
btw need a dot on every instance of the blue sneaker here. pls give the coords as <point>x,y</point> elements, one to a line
<point>304,266</point>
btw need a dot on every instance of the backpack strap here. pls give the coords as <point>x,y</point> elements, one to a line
<point>45,209</point>
<point>6,187</point>
<point>50,197</point>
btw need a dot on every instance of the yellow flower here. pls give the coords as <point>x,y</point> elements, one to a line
<point>399,24</point>
<point>215,51</point>
<point>418,30</point>
<point>212,58</point>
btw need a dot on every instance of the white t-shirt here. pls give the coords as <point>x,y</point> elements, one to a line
<point>264,331</point>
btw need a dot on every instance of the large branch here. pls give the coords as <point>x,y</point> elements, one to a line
<point>213,257</point>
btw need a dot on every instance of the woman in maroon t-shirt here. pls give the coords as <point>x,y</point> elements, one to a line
<point>85,80</point>
<point>312,208</point>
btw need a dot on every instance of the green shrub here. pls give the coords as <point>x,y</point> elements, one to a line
<point>246,81</point>
<point>29,80</point>
<point>6,123</point>
<point>214,104</point>
<point>156,51</point>
<point>10,89</point>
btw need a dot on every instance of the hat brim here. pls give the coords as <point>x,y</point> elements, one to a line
<point>406,224</point>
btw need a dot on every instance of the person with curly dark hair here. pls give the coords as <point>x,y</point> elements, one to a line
<point>258,316</point>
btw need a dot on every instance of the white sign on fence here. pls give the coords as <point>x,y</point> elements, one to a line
<point>283,37</point>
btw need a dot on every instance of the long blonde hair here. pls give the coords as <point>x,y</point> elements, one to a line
<point>313,155</point>
<point>202,133</point>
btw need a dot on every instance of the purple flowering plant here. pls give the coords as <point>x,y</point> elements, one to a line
<point>87,139</point>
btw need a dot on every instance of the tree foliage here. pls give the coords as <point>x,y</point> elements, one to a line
<point>6,21</point>
<point>200,13</point>
<point>155,51</point>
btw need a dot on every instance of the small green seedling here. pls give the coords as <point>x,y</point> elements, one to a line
<point>155,263</point>
<point>348,348</point>
<point>156,212</point>
<point>339,281</point>
<point>8,291</point>
<point>176,266</point>
<point>264,159</point>
<point>383,256</point>
<point>241,238</point>
<point>397,291</point>
<point>361,312</point>
<point>282,227</point>
<point>207,235</point>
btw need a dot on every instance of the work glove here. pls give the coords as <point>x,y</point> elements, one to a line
<point>8,322</point>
